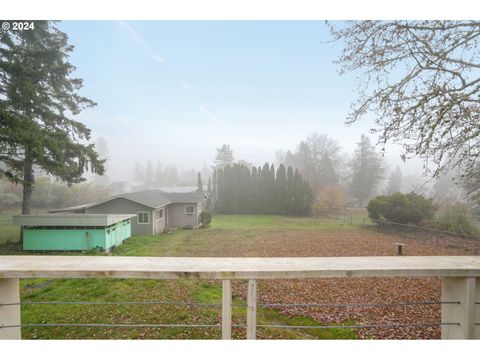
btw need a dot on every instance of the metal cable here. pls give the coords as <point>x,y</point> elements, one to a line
<point>360,305</point>
<point>113,303</point>
<point>411,303</point>
<point>233,325</point>
<point>425,228</point>
<point>114,325</point>
<point>355,326</point>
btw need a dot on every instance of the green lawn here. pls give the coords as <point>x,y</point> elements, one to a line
<point>8,233</point>
<point>236,235</point>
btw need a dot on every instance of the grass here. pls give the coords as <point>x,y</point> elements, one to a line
<point>237,233</point>
<point>147,290</point>
<point>9,233</point>
<point>228,235</point>
<point>277,222</point>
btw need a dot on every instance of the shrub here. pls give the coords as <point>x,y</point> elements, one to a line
<point>205,218</point>
<point>457,218</point>
<point>409,208</point>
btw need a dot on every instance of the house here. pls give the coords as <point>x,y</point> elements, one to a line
<point>156,210</point>
<point>73,232</point>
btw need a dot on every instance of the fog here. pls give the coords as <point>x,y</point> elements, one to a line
<point>173,92</point>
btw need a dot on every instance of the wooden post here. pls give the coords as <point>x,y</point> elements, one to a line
<point>465,290</point>
<point>252,310</point>
<point>226,309</point>
<point>400,248</point>
<point>10,314</point>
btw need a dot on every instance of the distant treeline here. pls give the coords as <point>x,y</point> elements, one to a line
<point>238,189</point>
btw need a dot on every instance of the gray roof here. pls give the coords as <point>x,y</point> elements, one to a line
<point>152,198</point>
<point>70,219</point>
<point>71,208</point>
<point>184,197</point>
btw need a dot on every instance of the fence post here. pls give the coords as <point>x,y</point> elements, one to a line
<point>465,290</point>
<point>252,309</point>
<point>10,314</point>
<point>226,309</point>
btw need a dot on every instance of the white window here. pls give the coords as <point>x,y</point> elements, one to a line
<point>160,214</point>
<point>189,209</point>
<point>143,218</point>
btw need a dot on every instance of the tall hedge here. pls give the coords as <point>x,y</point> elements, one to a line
<point>261,190</point>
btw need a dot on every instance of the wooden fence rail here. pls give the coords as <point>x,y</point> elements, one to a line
<point>460,280</point>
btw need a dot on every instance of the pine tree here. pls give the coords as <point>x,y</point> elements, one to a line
<point>37,96</point>
<point>394,182</point>
<point>224,156</point>
<point>366,171</point>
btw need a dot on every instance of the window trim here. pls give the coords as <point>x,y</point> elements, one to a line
<point>189,213</point>
<point>138,217</point>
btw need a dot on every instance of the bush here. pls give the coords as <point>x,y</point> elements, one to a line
<point>205,218</point>
<point>409,208</point>
<point>457,218</point>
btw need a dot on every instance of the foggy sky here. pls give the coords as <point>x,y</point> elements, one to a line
<point>174,91</point>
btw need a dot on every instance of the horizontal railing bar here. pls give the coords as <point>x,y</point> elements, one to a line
<point>355,326</point>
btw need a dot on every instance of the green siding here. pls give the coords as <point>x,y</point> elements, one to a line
<point>117,233</point>
<point>75,239</point>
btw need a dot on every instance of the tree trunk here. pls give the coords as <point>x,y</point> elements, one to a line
<point>28,180</point>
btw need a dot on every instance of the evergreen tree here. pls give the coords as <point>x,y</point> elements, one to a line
<point>366,171</point>
<point>281,190</point>
<point>229,191</point>
<point>224,156</point>
<point>138,174</point>
<point>158,178</point>
<point>37,96</point>
<point>263,189</point>
<point>101,147</point>
<point>214,194</point>
<point>220,199</point>
<point>253,193</point>
<point>208,205</point>
<point>394,182</point>
<point>298,193</point>
<point>199,182</point>
<point>149,174</point>
<point>171,176</point>
<point>244,191</point>
<point>290,191</point>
